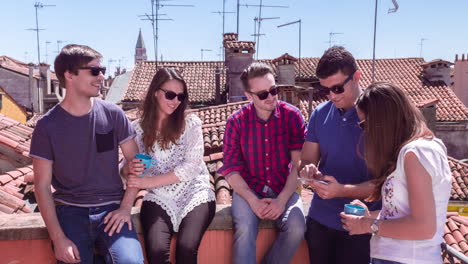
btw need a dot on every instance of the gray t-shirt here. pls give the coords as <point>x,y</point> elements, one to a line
<point>84,151</point>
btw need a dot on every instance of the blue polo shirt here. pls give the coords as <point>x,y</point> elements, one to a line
<point>338,136</point>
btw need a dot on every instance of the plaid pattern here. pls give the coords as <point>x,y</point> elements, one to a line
<point>261,150</point>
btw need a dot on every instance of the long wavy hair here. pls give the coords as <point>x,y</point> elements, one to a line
<point>171,128</point>
<point>391,121</point>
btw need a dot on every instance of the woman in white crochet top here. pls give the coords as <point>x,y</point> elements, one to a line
<point>179,197</point>
<point>412,177</point>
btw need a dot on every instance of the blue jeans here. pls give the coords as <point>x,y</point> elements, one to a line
<point>291,225</point>
<point>383,261</point>
<point>84,226</point>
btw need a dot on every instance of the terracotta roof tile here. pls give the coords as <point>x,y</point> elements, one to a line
<point>455,233</point>
<point>459,180</point>
<point>200,78</point>
<point>21,67</point>
<point>405,72</point>
<point>15,135</point>
<point>245,45</point>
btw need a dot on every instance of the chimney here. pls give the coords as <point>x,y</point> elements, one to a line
<point>238,56</point>
<point>34,90</point>
<point>286,66</point>
<point>44,70</point>
<point>460,79</point>
<point>428,109</point>
<point>437,71</point>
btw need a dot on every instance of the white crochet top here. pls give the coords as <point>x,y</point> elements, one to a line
<point>186,160</point>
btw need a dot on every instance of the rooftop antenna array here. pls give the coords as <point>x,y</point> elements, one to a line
<point>223,13</point>
<point>258,22</point>
<point>421,44</point>
<point>38,5</point>
<point>300,33</point>
<point>154,18</point>
<point>330,36</point>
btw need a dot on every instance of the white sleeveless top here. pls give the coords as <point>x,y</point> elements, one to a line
<point>186,160</point>
<point>432,154</point>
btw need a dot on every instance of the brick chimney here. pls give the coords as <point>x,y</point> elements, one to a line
<point>460,78</point>
<point>286,65</point>
<point>437,71</point>
<point>238,56</point>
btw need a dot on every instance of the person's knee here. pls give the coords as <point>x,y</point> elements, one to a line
<point>295,227</point>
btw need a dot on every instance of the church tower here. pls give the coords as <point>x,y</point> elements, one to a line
<point>140,50</point>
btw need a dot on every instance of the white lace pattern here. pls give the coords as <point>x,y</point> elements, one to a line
<point>186,160</point>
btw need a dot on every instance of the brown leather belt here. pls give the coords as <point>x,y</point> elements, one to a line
<point>59,203</point>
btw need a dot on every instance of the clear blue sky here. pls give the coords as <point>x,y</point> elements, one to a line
<point>111,27</point>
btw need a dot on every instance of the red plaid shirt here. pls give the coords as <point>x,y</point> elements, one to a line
<point>261,150</point>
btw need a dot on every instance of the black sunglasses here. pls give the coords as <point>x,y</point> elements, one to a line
<point>337,89</point>
<point>362,124</point>
<point>171,95</point>
<point>264,95</point>
<point>95,70</point>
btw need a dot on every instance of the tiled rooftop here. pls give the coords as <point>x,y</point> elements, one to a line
<point>244,45</point>
<point>459,180</point>
<point>200,78</point>
<point>20,67</point>
<point>456,233</point>
<point>405,72</point>
<point>15,135</point>
<point>14,186</point>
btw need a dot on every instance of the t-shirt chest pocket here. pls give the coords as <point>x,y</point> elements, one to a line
<point>105,141</point>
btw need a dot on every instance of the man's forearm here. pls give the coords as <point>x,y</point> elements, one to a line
<point>48,213</point>
<point>129,198</point>
<point>290,187</point>
<point>239,185</point>
<point>358,191</point>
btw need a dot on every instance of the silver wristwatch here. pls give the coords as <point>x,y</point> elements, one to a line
<point>375,227</point>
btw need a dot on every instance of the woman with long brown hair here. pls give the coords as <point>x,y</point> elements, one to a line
<point>412,177</point>
<point>179,197</point>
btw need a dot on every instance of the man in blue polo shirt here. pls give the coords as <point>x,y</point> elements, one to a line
<point>332,143</point>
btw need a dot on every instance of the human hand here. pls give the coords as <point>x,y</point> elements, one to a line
<point>116,219</point>
<point>136,167</point>
<point>360,203</point>
<point>65,250</point>
<point>138,182</point>
<point>356,225</point>
<point>259,206</point>
<point>327,191</point>
<point>274,209</point>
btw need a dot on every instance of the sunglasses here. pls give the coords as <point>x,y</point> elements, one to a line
<point>264,95</point>
<point>171,95</point>
<point>362,124</point>
<point>337,89</point>
<point>95,70</point>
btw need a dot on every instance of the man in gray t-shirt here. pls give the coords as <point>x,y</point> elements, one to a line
<point>75,149</point>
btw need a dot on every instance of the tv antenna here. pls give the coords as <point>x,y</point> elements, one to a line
<point>223,13</point>
<point>421,44</point>
<point>154,18</point>
<point>330,36</point>
<point>38,5</point>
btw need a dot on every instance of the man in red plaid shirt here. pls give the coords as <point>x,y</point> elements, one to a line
<point>262,144</point>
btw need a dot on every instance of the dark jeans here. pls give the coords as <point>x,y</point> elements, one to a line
<point>84,226</point>
<point>331,246</point>
<point>158,231</point>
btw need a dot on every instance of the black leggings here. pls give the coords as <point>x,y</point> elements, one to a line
<point>158,231</point>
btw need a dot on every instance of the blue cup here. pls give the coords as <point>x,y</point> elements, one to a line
<point>147,160</point>
<point>354,209</point>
